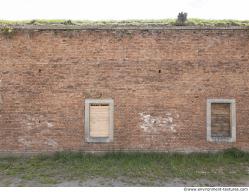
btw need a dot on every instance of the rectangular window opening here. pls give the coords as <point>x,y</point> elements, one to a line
<point>99,120</point>
<point>221,120</point>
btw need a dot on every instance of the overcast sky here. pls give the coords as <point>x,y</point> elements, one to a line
<point>122,9</point>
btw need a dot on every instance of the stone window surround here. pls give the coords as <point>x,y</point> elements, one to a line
<point>232,117</point>
<point>88,103</point>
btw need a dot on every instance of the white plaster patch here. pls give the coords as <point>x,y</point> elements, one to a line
<point>41,135</point>
<point>50,124</point>
<point>153,124</point>
<point>24,141</point>
<point>28,142</point>
<point>51,142</point>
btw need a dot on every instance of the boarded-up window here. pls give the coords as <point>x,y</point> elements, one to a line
<point>99,120</point>
<point>220,120</point>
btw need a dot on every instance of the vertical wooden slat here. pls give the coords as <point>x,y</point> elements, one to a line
<point>99,120</point>
<point>220,120</point>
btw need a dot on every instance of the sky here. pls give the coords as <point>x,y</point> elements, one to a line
<point>122,9</point>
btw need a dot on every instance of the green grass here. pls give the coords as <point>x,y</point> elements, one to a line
<point>167,22</point>
<point>228,167</point>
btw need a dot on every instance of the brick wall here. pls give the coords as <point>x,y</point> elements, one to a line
<point>159,79</point>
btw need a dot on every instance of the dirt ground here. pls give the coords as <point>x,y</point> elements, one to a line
<point>7,181</point>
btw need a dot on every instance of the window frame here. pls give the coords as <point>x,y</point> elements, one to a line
<point>232,103</point>
<point>88,103</point>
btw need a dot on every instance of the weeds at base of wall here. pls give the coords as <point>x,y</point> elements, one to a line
<point>168,22</point>
<point>228,166</point>
<point>8,32</point>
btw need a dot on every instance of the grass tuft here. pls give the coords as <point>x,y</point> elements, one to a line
<point>227,166</point>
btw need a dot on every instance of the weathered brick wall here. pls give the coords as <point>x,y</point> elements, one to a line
<point>160,81</point>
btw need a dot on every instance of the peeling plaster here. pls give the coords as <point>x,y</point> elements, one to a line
<point>52,143</point>
<point>24,141</point>
<point>41,132</point>
<point>28,142</point>
<point>154,124</point>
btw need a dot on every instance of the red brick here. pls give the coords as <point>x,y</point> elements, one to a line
<point>46,76</point>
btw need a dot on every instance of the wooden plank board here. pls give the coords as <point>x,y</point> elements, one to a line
<point>220,120</point>
<point>99,120</point>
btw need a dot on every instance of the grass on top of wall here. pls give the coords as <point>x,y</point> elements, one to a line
<point>167,22</point>
<point>226,167</point>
